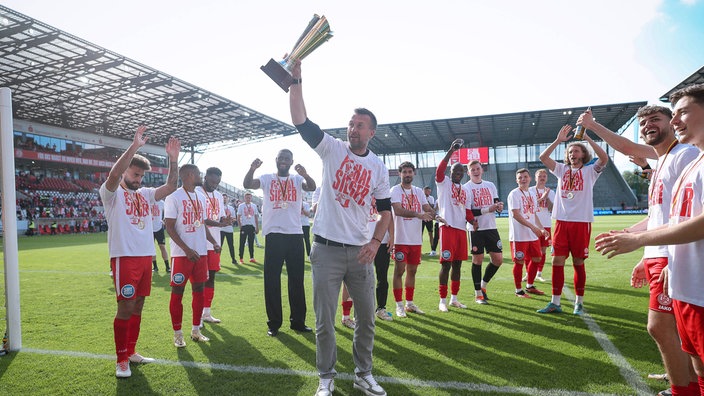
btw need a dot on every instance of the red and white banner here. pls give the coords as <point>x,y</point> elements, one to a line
<point>467,155</point>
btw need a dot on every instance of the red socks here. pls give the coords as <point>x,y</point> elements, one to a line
<point>454,287</point>
<point>347,307</point>
<point>517,275</point>
<point>398,295</point>
<point>208,294</point>
<point>580,279</point>
<point>409,293</point>
<point>176,310</point>
<point>558,279</point>
<point>133,333</point>
<point>197,305</point>
<point>120,328</point>
<point>443,291</point>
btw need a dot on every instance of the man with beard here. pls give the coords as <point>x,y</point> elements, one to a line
<point>343,249</point>
<point>185,216</point>
<point>130,241</point>
<point>215,219</point>
<point>281,226</point>
<point>573,212</point>
<point>673,158</point>
<point>410,209</point>
<point>455,211</point>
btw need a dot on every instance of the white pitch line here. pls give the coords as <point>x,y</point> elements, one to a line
<point>627,371</point>
<point>453,385</point>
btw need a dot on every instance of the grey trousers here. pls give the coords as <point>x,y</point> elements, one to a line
<point>330,267</point>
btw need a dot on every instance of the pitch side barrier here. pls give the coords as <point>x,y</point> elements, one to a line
<point>605,212</point>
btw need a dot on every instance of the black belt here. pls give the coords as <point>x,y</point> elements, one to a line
<point>319,239</point>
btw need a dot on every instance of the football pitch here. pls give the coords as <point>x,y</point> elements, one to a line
<point>68,306</point>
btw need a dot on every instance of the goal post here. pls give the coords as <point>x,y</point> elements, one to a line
<point>9,222</point>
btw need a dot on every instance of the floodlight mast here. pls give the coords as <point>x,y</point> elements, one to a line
<point>9,222</point>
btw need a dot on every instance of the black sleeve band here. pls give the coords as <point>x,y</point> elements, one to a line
<point>383,204</point>
<point>311,133</point>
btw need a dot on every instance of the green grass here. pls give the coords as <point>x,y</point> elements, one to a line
<point>68,305</point>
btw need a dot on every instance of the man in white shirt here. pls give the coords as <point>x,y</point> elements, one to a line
<point>281,227</point>
<point>673,157</point>
<point>546,199</point>
<point>131,241</point>
<point>524,229</point>
<point>248,219</point>
<point>157,211</point>
<point>226,231</point>
<point>343,250</point>
<point>431,226</point>
<point>185,216</point>
<point>410,209</point>
<point>574,213</point>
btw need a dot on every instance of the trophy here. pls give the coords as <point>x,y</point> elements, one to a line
<point>317,32</point>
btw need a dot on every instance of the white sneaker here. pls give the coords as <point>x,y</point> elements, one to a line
<point>458,304</point>
<point>433,253</point>
<point>349,323</point>
<point>400,312</point>
<point>382,314</point>
<point>326,387</point>
<point>368,385</point>
<point>525,278</point>
<point>122,369</point>
<point>137,358</point>
<point>414,309</point>
<point>210,319</point>
<point>540,278</point>
<point>442,307</point>
<point>480,300</point>
<point>178,341</point>
<point>197,336</point>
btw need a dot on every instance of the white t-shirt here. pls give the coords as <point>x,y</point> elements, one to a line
<point>229,211</point>
<point>282,204</point>
<point>686,269</point>
<point>157,215</point>
<point>246,212</point>
<point>525,202</point>
<point>453,202</point>
<point>542,211</point>
<point>215,209</point>
<point>188,209</point>
<point>660,191</point>
<point>349,183</point>
<point>578,184</point>
<point>305,220</point>
<point>130,231</point>
<point>408,231</point>
<point>431,200</point>
<point>482,195</point>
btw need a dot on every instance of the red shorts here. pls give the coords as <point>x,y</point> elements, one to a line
<point>690,325</point>
<point>409,254</point>
<point>659,300</point>
<point>571,237</point>
<point>453,244</point>
<point>546,242</point>
<point>213,261</point>
<point>183,269</point>
<point>522,249</point>
<point>133,276</point>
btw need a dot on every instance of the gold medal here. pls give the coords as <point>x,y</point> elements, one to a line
<point>214,217</point>
<point>196,223</point>
<point>140,225</point>
<point>284,205</point>
<point>570,195</point>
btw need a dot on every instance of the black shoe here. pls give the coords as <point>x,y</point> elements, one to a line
<point>168,270</point>
<point>272,332</point>
<point>301,328</point>
<point>155,269</point>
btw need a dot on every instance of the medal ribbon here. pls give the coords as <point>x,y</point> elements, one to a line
<point>199,216</point>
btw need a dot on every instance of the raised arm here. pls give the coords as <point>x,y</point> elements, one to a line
<point>173,148</point>
<point>249,180</point>
<point>309,183</point>
<point>599,151</point>
<point>562,137</point>
<point>619,143</point>
<point>123,162</point>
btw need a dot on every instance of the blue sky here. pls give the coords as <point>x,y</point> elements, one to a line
<point>405,60</point>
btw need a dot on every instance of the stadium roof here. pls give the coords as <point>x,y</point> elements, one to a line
<point>527,128</point>
<point>61,80</point>
<point>696,78</point>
